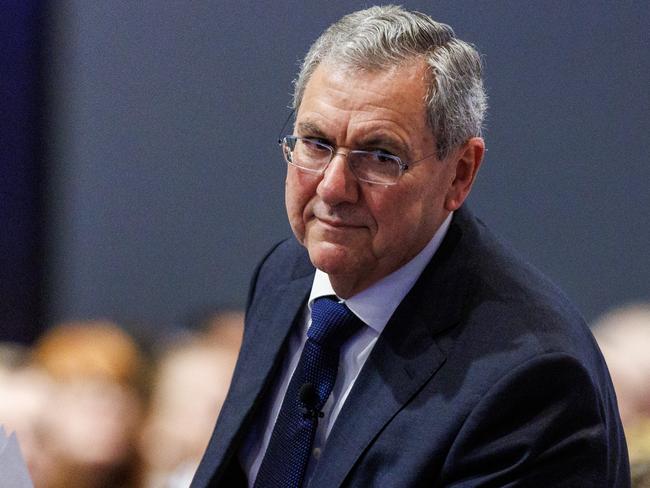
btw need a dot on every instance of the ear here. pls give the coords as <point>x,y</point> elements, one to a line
<point>465,163</point>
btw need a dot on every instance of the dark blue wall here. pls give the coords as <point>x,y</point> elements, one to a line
<point>168,186</point>
<point>21,170</point>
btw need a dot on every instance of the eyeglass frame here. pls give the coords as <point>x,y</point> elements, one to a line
<point>403,167</point>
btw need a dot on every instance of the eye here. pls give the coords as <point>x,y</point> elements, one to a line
<point>382,155</point>
<point>385,157</point>
<point>314,145</point>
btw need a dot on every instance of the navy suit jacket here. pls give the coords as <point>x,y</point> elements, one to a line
<point>485,376</point>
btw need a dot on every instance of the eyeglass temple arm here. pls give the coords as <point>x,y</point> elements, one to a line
<point>281,134</point>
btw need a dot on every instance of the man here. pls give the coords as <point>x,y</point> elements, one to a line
<point>460,365</point>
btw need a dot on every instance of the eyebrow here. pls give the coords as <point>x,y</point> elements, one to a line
<point>310,128</point>
<point>387,142</point>
<point>374,140</point>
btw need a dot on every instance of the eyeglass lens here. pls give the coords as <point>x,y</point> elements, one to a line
<point>368,166</point>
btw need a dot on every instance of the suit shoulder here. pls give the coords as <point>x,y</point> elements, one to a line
<point>500,273</point>
<point>513,306</point>
<point>285,261</point>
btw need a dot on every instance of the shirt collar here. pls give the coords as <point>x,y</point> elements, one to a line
<point>375,305</point>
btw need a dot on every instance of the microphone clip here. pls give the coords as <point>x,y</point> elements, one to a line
<point>309,399</point>
<point>312,413</point>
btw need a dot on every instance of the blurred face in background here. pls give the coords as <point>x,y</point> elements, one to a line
<point>189,390</point>
<point>25,396</point>
<point>91,422</point>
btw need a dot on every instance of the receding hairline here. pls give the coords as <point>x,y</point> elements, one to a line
<point>350,68</point>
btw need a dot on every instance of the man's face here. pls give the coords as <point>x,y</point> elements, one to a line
<point>357,232</point>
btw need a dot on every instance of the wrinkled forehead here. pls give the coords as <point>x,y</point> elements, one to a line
<point>394,71</point>
<point>367,108</point>
<point>402,85</point>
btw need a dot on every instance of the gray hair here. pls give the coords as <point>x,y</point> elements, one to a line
<point>382,37</point>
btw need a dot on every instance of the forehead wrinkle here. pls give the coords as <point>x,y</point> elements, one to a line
<point>384,125</point>
<point>380,137</point>
<point>378,117</point>
<point>318,123</point>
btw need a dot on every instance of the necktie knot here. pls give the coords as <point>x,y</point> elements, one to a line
<point>332,322</point>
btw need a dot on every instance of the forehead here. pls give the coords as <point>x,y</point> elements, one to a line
<point>391,100</point>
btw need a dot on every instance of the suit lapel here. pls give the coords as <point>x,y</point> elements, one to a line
<point>385,385</point>
<point>268,325</point>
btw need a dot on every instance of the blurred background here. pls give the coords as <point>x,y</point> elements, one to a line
<point>140,179</point>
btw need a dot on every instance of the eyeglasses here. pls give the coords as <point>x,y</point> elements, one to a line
<point>374,167</point>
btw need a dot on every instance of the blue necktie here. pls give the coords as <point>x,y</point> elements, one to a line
<point>289,449</point>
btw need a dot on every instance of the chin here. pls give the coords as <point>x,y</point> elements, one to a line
<point>333,259</point>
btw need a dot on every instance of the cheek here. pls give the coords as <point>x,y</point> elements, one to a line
<point>388,215</point>
<point>390,228</point>
<point>401,218</point>
<point>298,192</point>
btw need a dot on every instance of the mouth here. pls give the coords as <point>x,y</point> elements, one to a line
<point>342,218</point>
<point>337,224</point>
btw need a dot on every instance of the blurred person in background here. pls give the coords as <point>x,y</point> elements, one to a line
<point>25,393</point>
<point>92,418</point>
<point>225,329</point>
<point>623,335</point>
<point>189,386</point>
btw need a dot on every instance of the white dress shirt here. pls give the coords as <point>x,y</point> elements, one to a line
<point>374,306</point>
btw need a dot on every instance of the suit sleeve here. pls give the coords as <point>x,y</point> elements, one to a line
<point>543,424</point>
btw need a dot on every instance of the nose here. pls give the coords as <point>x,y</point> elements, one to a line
<point>338,185</point>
